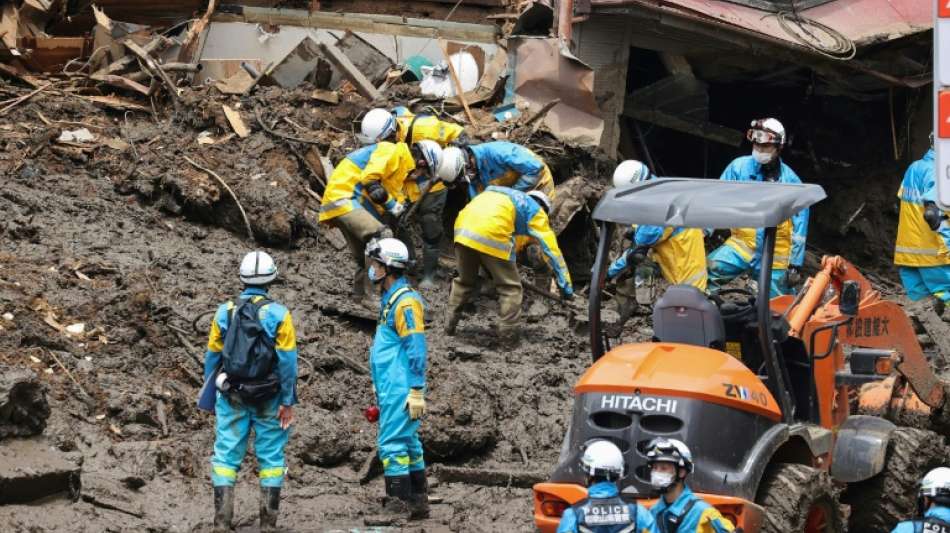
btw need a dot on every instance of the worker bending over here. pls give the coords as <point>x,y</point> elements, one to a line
<point>368,184</point>
<point>923,236</point>
<point>484,236</point>
<point>679,510</point>
<point>742,252</point>
<point>603,510</point>
<point>500,163</point>
<point>933,505</point>
<point>398,368</point>
<point>252,359</point>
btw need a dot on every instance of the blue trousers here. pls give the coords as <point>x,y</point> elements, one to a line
<point>400,449</point>
<point>921,282</point>
<point>233,423</point>
<point>725,264</point>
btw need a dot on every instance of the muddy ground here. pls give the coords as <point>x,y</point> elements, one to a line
<point>129,239</point>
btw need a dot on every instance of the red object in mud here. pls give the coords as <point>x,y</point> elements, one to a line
<point>371,413</point>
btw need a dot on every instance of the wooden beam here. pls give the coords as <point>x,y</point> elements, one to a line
<point>706,130</point>
<point>350,72</point>
<point>358,22</point>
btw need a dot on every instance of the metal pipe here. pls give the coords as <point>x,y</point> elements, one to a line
<point>597,282</point>
<point>764,314</point>
<point>565,20</point>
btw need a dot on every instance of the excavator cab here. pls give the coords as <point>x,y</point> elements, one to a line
<point>760,390</point>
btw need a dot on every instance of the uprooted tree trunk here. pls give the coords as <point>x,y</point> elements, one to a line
<point>23,406</point>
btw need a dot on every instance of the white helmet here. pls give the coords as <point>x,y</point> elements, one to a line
<point>936,483</point>
<point>542,200</point>
<point>629,172</point>
<point>766,131</point>
<point>452,165</point>
<point>431,152</point>
<point>378,124</point>
<point>258,268</point>
<point>663,450</point>
<point>603,458</point>
<point>390,252</point>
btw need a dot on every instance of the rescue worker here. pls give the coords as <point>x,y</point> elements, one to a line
<point>398,367</point>
<point>484,236</point>
<point>923,236</point>
<point>679,510</point>
<point>410,129</point>
<point>604,511</point>
<point>680,252</point>
<point>500,163</point>
<point>933,505</point>
<point>368,184</point>
<point>741,253</point>
<point>264,404</point>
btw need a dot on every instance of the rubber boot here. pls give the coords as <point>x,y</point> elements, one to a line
<point>509,338</point>
<point>395,510</point>
<point>939,307</point>
<point>452,321</point>
<point>419,497</point>
<point>270,504</point>
<point>223,509</point>
<point>430,265</point>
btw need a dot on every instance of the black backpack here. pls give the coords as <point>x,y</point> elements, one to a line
<point>249,353</point>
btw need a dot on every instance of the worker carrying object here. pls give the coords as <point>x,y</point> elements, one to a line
<point>398,367</point>
<point>933,505</point>
<point>922,252</point>
<point>368,185</point>
<point>679,510</point>
<point>484,237</point>
<point>742,252</point>
<point>500,163</point>
<point>680,252</point>
<point>252,358</point>
<point>604,511</point>
<point>410,128</point>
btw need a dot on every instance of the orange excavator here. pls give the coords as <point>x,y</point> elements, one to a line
<point>770,396</point>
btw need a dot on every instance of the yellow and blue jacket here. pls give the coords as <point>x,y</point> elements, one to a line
<point>680,252</point>
<point>275,318</point>
<point>490,222</point>
<point>917,244</point>
<point>509,165</point>
<point>938,515</point>
<point>791,235</point>
<point>701,517</point>
<point>388,163</point>
<point>588,514</point>
<point>398,355</point>
<point>424,127</point>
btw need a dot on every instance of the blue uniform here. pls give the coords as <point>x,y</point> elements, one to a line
<point>603,511</point>
<point>233,418</point>
<point>510,165</point>
<point>922,254</point>
<point>398,363</point>
<point>700,518</point>
<point>742,252</point>
<point>935,514</point>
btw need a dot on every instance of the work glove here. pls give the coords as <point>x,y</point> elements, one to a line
<point>792,276</point>
<point>416,404</point>
<point>396,208</point>
<point>376,192</point>
<point>461,141</point>
<point>933,216</point>
<point>630,234</point>
<point>567,293</point>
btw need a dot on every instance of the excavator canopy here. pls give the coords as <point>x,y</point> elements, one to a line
<point>706,203</point>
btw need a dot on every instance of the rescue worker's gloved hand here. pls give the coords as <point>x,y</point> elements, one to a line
<point>630,234</point>
<point>461,140</point>
<point>933,215</point>
<point>567,292</point>
<point>792,276</point>
<point>396,208</point>
<point>416,404</point>
<point>376,192</point>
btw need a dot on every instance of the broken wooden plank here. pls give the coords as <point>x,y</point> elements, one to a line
<point>189,44</point>
<point>115,102</point>
<point>237,123</point>
<point>350,72</point>
<point>329,97</point>
<point>153,67</point>
<point>459,92</point>
<point>706,130</point>
<point>120,82</point>
<point>490,478</point>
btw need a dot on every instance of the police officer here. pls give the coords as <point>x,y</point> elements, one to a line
<point>922,251</point>
<point>485,232</point>
<point>500,163</point>
<point>741,253</point>
<point>603,511</point>
<point>933,505</point>
<point>272,413</point>
<point>679,510</point>
<point>398,366</point>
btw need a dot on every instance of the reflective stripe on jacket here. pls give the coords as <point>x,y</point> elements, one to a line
<point>398,355</point>
<point>510,165</point>
<point>790,239</point>
<point>918,245</point>
<point>343,187</point>
<point>492,219</point>
<point>276,320</point>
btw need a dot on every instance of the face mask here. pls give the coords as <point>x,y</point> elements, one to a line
<point>372,275</point>
<point>762,158</point>
<point>661,480</point>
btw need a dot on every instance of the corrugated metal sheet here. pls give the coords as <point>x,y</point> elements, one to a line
<point>602,40</point>
<point>862,21</point>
